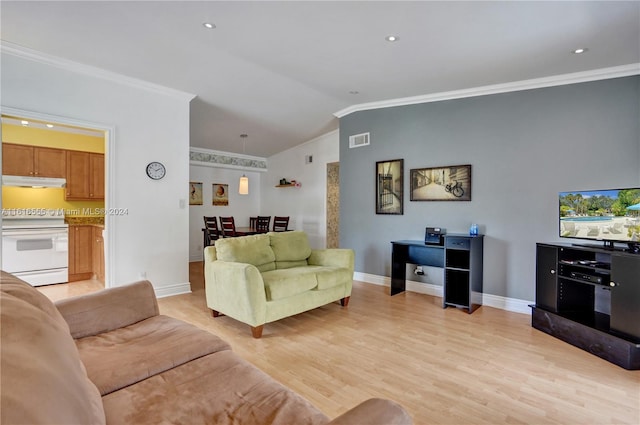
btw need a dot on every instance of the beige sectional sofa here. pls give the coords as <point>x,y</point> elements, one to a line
<point>263,278</point>
<point>109,357</point>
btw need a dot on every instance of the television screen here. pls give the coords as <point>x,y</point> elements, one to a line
<point>602,215</point>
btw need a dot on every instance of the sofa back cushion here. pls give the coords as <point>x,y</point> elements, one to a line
<point>291,249</point>
<point>253,250</point>
<point>43,380</point>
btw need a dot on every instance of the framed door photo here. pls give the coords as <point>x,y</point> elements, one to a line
<point>389,186</point>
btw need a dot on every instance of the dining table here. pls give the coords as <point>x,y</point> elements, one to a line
<point>248,230</point>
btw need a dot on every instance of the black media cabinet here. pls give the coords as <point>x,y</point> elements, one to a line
<point>460,257</point>
<point>590,297</point>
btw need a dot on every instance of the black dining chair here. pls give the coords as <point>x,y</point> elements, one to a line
<point>280,224</point>
<point>262,224</point>
<point>228,227</point>
<point>252,222</point>
<point>211,231</point>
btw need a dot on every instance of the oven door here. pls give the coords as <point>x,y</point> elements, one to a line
<point>32,250</point>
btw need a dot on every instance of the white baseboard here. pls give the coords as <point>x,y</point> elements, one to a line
<point>504,303</point>
<point>175,289</point>
<point>196,257</point>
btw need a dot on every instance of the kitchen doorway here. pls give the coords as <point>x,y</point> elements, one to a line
<point>59,168</point>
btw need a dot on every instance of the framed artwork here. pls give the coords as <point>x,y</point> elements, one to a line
<point>195,193</point>
<point>452,183</point>
<point>220,195</point>
<point>389,186</point>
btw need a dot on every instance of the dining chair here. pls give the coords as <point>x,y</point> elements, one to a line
<point>262,223</point>
<point>228,227</point>
<point>280,224</point>
<point>211,231</point>
<point>252,222</point>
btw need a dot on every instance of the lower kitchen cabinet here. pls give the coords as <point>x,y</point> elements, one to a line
<point>80,252</point>
<point>86,252</point>
<point>98,253</point>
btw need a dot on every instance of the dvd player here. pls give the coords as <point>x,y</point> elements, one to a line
<point>587,278</point>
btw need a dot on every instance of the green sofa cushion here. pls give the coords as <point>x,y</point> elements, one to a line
<point>328,277</point>
<point>254,250</point>
<point>283,283</point>
<point>290,246</point>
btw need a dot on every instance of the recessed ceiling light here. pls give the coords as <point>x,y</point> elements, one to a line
<point>580,50</point>
<point>392,38</point>
<point>208,25</point>
<point>50,125</point>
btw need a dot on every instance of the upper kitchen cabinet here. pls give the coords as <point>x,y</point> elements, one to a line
<point>85,176</point>
<point>33,161</point>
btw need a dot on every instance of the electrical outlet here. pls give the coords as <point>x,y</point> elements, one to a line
<point>419,271</point>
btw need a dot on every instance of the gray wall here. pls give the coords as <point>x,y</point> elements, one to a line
<point>524,148</point>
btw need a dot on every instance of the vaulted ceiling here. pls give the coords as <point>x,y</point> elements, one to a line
<point>278,71</point>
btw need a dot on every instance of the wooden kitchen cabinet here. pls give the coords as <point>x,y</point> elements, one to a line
<point>85,176</point>
<point>98,253</point>
<point>33,161</point>
<point>81,243</point>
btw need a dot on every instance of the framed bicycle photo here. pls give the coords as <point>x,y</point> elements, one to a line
<point>452,183</point>
<point>389,186</point>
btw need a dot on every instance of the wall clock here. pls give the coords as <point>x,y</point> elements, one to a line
<point>156,170</point>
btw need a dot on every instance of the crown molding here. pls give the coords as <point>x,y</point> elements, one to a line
<point>536,83</point>
<point>219,159</point>
<point>69,65</point>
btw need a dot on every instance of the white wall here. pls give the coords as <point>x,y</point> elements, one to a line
<point>305,205</point>
<point>149,124</point>
<point>241,207</point>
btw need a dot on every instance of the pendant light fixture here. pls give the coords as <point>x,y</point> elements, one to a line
<point>243,187</point>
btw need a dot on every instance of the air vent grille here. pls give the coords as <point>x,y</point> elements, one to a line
<point>358,140</point>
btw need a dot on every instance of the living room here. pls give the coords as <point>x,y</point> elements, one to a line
<point>525,144</point>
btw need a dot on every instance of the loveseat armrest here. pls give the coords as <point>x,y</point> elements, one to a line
<point>237,290</point>
<point>375,411</point>
<point>109,309</point>
<point>335,257</point>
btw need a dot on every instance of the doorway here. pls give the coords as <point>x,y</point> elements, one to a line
<point>41,137</point>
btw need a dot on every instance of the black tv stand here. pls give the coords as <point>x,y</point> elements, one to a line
<point>590,298</point>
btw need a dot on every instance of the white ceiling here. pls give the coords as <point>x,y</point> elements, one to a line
<point>277,71</point>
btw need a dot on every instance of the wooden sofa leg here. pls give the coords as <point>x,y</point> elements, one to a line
<point>256,331</point>
<point>344,301</point>
<point>216,313</point>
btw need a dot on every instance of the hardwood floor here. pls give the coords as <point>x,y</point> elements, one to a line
<point>443,365</point>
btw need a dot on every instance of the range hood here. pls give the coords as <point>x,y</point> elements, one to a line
<point>23,181</point>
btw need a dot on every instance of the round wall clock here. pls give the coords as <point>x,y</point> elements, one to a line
<point>155,170</point>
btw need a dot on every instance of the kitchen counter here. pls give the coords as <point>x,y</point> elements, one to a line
<point>97,221</point>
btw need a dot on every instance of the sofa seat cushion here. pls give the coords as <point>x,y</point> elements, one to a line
<point>328,276</point>
<point>254,249</point>
<point>128,355</point>
<point>220,389</point>
<point>43,380</point>
<point>283,283</point>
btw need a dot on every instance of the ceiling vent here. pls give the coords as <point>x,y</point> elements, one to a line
<point>358,140</point>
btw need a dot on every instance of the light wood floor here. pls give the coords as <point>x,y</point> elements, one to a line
<point>443,365</point>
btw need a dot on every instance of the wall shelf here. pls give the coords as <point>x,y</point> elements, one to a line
<point>286,185</point>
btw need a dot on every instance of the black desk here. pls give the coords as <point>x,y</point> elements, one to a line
<point>460,257</point>
<point>412,252</point>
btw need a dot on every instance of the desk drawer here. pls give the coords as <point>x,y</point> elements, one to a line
<point>455,242</point>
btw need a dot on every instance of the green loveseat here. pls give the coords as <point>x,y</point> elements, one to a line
<point>263,278</point>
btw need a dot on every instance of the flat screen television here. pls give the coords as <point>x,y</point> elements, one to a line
<point>609,216</point>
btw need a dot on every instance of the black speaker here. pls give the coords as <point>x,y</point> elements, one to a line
<point>434,236</point>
